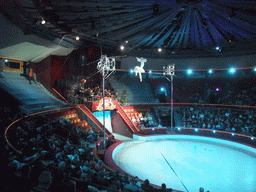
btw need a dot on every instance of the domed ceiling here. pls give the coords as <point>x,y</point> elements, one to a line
<point>179,27</point>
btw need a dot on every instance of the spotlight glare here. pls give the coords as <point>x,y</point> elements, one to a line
<point>214,131</point>
<point>43,21</point>
<point>131,71</point>
<point>189,71</point>
<point>254,69</point>
<point>122,47</point>
<point>162,89</point>
<point>77,38</point>
<point>217,48</point>
<point>232,70</point>
<point>252,138</point>
<point>217,89</point>
<point>126,41</point>
<point>150,71</point>
<point>6,60</point>
<point>196,130</point>
<point>210,71</point>
<point>179,129</point>
<point>159,49</point>
<point>233,134</point>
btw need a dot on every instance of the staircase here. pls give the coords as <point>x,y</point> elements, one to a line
<point>32,97</point>
<point>84,112</point>
<point>126,119</point>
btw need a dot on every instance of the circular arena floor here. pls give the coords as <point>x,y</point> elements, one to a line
<point>189,162</point>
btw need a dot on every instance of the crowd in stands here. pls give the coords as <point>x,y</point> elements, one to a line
<point>144,121</point>
<point>57,156</point>
<point>80,92</point>
<point>210,117</point>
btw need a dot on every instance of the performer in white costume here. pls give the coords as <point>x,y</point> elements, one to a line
<point>140,69</point>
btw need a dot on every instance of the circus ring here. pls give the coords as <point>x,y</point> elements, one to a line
<point>213,159</point>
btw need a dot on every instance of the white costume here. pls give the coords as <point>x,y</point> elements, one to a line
<point>140,69</point>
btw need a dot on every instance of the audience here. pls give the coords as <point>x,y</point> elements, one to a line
<point>54,147</point>
<point>225,119</point>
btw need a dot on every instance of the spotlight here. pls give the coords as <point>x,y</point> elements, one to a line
<point>126,41</point>
<point>217,48</point>
<point>214,131</point>
<point>162,89</point>
<point>6,60</point>
<point>179,129</point>
<point>210,71</point>
<point>252,138</point>
<point>153,129</point>
<point>232,70</point>
<point>43,21</point>
<point>150,71</point>
<point>217,89</point>
<point>189,71</point>
<point>77,38</point>
<point>131,71</point>
<point>233,134</point>
<point>196,130</point>
<point>122,47</point>
<point>254,69</point>
<point>159,49</point>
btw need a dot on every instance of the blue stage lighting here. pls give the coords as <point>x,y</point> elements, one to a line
<point>254,69</point>
<point>131,71</point>
<point>210,71</point>
<point>162,89</point>
<point>233,134</point>
<point>179,129</point>
<point>6,60</point>
<point>196,130</point>
<point>232,70</point>
<point>252,138</point>
<point>214,131</point>
<point>217,48</point>
<point>189,71</point>
<point>150,71</point>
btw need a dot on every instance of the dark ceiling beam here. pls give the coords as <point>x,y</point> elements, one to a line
<point>48,11</point>
<point>8,8</point>
<point>117,26</point>
<point>235,28</point>
<point>161,37</point>
<point>119,23</point>
<point>194,31</point>
<point>92,4</point>
<point>139,26</point>
<point>185,25</point>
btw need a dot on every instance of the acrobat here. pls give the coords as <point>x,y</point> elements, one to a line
<point>140,69</point>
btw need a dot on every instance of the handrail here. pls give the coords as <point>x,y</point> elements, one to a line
<point>127,122</point>
<point>60,95</point>
<point>251,140</point>
<point>14,122</point>
<point>204,104</point>
<point>128,118</point>
<point>212,130</point>
<point>97,122</point>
